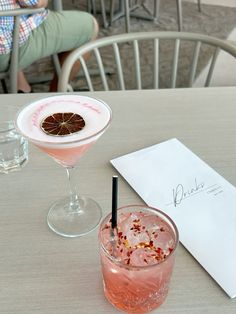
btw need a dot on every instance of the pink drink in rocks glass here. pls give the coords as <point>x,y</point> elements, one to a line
<point>137,267</point>
<point>64,127</point>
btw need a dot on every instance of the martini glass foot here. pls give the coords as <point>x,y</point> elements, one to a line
<point>69,222</point>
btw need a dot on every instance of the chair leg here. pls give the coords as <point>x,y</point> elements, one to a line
<point>93,7</point>
<point>126,8</point>
<point>103,9</point>
<point>156,10</point>
<point>56,64</point>
<point>199,5</point>
<point>127,16</point>
<point>112,8</point>
<point>179,14</point>
<point>89,7</point>
<point>57,5</point>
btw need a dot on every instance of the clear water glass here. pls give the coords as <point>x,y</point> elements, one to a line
<point>13,148</point>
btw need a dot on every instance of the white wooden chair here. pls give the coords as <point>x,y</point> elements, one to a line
<point>12,70</point>
<point>187,46</point>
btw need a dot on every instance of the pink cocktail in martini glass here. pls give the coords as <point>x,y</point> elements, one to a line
<point>64,127</point>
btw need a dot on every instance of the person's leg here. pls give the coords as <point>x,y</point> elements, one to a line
<point>22,83</point>
<point>76,67</point>
<point>60,33</point>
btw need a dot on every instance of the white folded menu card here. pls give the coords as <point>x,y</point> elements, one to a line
<point>202,203</point>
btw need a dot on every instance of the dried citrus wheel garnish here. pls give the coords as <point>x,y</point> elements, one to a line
<point>62,124</point>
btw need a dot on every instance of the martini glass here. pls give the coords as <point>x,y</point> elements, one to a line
<point>64,127</point>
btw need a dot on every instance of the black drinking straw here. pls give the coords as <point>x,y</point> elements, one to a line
<point>114,202</point>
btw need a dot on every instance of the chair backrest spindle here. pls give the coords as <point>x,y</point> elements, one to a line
<point>86,73</point>
<point>194,63</point>
<point>212,66</point>
<point>119,66</point>
<point>101,69</point>
<point>156,64</point>
<point>175,64</point>
<point>14,55</point>
<point>137,64</point>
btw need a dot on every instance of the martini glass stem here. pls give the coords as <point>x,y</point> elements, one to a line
<point>74,198</point>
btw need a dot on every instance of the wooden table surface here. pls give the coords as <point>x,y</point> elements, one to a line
<point>41,272</point>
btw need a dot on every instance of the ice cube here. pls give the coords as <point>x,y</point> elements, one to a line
<point>142,257</point>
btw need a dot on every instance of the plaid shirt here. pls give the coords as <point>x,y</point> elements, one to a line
<point>27,23</point>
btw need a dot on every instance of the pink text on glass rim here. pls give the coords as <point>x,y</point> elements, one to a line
<point>36,114</point>
<point>43,106</point>
<point>89,106</point>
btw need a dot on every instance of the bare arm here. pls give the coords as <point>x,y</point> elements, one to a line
<point>33,3</point>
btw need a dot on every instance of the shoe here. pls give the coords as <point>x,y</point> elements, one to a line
<point>21,92</point>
